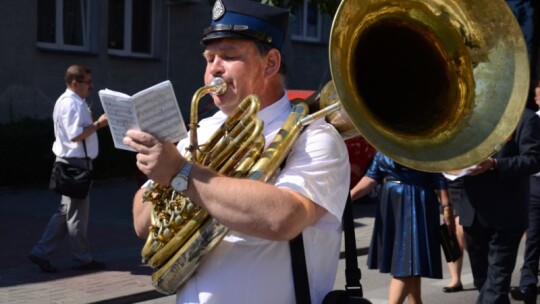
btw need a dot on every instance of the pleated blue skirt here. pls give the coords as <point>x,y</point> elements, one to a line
<point>405,239</point>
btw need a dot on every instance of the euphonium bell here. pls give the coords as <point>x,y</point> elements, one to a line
<point>437,85</point>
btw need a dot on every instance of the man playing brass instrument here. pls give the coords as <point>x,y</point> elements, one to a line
<point>252,263</point>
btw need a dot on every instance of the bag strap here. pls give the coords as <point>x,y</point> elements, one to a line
<point>86,154</point>
<point>352,271</point>
<point>299,269</point>
<point>298,263</point>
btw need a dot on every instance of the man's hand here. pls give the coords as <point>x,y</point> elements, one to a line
<point>159,160</point>
<point>103,121</point>
<point>489,163</point>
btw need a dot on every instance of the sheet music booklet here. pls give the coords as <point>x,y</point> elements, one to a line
<point>153,110</point>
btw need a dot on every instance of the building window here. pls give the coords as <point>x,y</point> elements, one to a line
<point>65,25</point>
<point>132,27</point>
<point>306,23</point>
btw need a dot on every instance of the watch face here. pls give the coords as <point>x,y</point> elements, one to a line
<point>179,183</point>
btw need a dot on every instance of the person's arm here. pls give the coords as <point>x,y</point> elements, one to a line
<point>141,214</point>
<point>247,206</point>
<point>489,164</point>
<point>526,142</point>
<point>448,210</point>
<point>363,187</point>
<point>101,122</point>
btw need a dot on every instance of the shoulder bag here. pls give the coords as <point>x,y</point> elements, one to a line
<point>69,180</point>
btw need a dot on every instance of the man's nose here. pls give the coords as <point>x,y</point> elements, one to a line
<point>216,67</point>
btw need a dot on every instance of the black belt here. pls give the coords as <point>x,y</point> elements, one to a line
<point>397,181</point>
<point>392,180</point>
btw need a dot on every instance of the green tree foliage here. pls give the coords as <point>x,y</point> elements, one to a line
<point>325,6</point>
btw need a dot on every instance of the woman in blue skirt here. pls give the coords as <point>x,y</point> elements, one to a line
<point>405,241</point>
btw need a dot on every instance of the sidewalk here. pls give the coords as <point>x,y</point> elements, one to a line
<point>26,211</point>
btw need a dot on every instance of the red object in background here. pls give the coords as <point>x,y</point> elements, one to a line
<point>304,94</point>
<point>360,155</point>
<point>360,151</point>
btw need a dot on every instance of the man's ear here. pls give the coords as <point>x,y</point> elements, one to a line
<point>273,62</point>
<point>74,84</point>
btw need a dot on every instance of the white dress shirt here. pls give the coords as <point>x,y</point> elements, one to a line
<point>70,116</point>
<point>247,269</point>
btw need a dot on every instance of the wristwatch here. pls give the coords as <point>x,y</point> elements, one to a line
<point>493,164</point>
<point>180,182</point>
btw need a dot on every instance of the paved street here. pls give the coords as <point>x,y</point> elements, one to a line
<point>25,212</point>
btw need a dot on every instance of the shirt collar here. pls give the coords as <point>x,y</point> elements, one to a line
<point>271,112</point>
<point>74,95</point>
<point>267,114</point>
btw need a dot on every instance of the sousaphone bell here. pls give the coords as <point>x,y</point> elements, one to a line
<point>436,85</point>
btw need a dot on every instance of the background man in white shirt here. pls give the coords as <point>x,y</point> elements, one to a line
<point>73,126</point>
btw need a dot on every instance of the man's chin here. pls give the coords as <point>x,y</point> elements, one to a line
<point>227,109</point>
<point>226,106</point>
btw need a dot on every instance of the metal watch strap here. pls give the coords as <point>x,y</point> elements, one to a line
<point>186,169</point>
<point>180,181</point>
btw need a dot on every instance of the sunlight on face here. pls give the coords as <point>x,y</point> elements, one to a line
<point>537,95</point>
<point>84,87</point>
<point>238,62</point>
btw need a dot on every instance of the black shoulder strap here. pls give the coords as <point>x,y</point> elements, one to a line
<point>299,269</point>
<point>352,272</point>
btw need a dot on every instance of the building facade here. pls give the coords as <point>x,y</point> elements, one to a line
<point>129,45</point>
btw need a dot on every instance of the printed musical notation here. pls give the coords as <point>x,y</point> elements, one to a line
<point>153,110</point>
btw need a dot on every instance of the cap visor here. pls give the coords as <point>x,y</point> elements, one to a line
<point>221,35</point>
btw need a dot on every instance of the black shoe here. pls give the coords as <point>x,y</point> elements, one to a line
<point>456,288</point>
<point>92,265</point>
<point>519,294</point>
<point>43,264</point>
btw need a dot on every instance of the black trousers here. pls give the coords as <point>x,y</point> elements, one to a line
<point>492,255</point>
<point>529,270</point>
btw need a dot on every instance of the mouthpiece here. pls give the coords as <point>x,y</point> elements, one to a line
<point>219,86</point>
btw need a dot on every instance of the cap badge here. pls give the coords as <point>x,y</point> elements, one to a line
<point>218,11</point>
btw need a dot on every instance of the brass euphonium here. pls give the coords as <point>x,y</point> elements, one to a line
<point>437,85</point>
<point>182,233</point>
